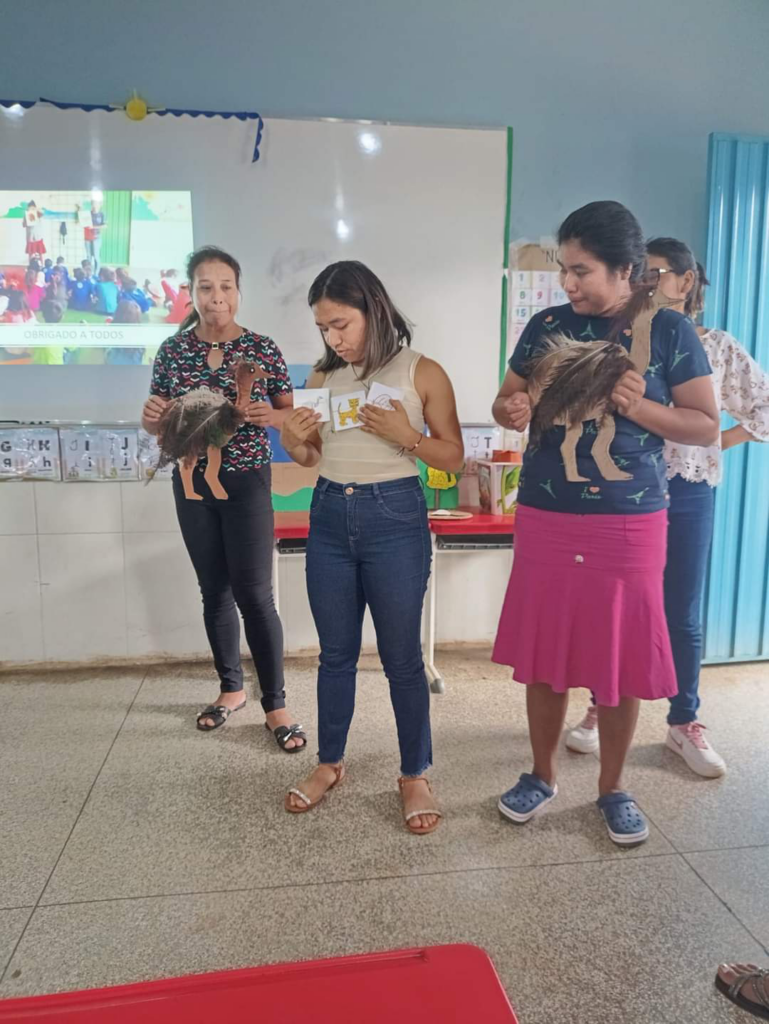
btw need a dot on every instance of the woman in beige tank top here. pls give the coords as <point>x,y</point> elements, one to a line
<point>369,543</point>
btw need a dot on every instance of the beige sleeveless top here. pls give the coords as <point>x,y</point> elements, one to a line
<point>352,456</point>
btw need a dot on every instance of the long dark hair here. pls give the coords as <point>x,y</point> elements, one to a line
<point>609,231</point>
<point>351,283</point>
<point>206,254</point>
<point>681,258</point>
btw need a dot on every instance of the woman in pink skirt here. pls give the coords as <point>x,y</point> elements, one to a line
<point>584,607</point>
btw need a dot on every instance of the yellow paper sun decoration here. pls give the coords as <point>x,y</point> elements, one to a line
<point>136,107</point>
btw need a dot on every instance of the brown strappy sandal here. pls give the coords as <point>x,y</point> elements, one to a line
<point>415,830</point>
<point>339,772</point>
<point>758,1004</point>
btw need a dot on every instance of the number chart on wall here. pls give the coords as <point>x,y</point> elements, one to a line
<point>535,284</point>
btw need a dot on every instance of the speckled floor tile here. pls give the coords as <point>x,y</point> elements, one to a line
<point>741,879</point>
<point>176,810</point>
<point>710,814</point>
<point>12,924</point>
<point>55,730</point>
<point>637,943</point>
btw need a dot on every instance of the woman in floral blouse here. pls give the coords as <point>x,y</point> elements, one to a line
<point>230,542</point>
<point>742,390</point>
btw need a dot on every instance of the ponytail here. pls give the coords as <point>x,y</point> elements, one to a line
<point>191,320</point>
<point>640,300</point>
<point>695,300</point>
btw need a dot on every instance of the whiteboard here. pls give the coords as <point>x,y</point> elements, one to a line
<point>423,207</point>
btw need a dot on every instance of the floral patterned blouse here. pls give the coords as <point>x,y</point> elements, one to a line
<point>181,365</point>
<point>742,390</point>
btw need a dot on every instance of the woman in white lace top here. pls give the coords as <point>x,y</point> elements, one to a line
<point>742,390</point>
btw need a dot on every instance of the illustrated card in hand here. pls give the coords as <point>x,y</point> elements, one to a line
<point>345,410</point>
<point>316,399</point>
<point>382,395</point>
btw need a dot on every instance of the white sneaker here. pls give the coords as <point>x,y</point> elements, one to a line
<point>584,739</point>
<point>689,743</point>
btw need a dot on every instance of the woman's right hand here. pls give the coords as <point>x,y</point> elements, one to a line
<point>154,408</point>
<point>298,427</point>
<point>518,409</point>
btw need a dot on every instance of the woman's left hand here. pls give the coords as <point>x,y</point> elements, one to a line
<point>628,393</point>
<point>260,414</point>
<point>389,424</point>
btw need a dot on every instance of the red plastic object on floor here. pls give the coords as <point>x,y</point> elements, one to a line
<point>436,985</point>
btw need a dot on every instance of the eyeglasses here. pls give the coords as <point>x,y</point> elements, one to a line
<point>654,275</point>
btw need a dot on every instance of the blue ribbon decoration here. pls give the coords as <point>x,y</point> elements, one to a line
<point>241,115</point>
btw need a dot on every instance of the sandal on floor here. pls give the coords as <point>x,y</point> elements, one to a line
<point>759,1006</point>
<point>284,733</point>
<point>339,772</point>
<point>219,713</point>
<point>414,829</point>
<point>528,797</point>
<point>623,818</point>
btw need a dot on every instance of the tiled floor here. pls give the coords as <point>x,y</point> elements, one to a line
<point>133,847</point>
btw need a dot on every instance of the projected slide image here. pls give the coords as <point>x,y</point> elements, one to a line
<point>91,276</point>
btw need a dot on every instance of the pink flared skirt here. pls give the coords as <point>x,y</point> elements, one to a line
<point>585,605</point>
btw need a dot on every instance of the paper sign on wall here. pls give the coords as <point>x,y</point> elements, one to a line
<point>148,454</point>
<point>99,453</point>
<point>479,441</point>
<point>345,410</point>
<point>79,453</point>
<point>119,455</point>
<point>29,453</point>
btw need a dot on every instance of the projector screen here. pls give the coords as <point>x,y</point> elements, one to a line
<point>424,207</point>
<point>91,277</point>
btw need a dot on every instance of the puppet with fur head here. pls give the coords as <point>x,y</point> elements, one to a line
<point>571,382</point>
<point>201,423</point>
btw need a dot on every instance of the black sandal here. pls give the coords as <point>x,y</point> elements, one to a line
<point>284,733</point>
<point>219,713</point>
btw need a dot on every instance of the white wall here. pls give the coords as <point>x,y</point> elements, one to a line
<point>91,572</point>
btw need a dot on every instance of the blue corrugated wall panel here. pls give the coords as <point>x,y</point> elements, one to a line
<point>737,595</point>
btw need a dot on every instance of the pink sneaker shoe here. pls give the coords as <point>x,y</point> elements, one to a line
<point>688,741</point>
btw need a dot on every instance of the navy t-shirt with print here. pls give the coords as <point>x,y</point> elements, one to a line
<point>181,365</point>
<point>677,356</point>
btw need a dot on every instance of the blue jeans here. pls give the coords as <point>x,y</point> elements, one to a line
<point>369,544</point>
<point>690,533</point>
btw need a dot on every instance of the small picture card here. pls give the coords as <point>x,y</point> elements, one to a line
<point>345,410</point>
<point>382,395</point>
<point>316,399</point>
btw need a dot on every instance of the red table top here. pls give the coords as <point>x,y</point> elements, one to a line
<point>480,523</point>
<point>296,525</point>
<point>432,985</point>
